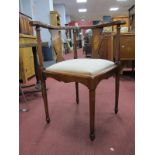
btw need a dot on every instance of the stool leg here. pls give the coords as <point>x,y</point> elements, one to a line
<point>77,92</point>
<point>117,78</point>
<point>92,113</point>
<point>44,94</point>
<point>25,100</point>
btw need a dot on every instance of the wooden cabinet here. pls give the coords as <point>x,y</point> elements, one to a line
<point>124,18</point>
<point>127,46</point>
<point>55,18</point>
<point>132,18</point>
<point>127,50</point>
<point>26,61</point>
<point>24,26</point>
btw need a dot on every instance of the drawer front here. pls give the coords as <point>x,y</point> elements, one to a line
<point>27,40</point>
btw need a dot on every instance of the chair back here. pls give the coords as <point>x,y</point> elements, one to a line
<point>97,39</point>
<point>58,49</point>
<point>96,42</point>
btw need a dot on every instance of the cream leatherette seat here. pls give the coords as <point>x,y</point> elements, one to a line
<point>83,66</point>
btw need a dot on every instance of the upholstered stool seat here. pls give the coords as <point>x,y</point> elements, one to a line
<point>83,66</point>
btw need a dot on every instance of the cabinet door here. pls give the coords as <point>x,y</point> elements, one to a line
<point>26,61</point>
<point>26,64</point>
<point>127,47</point>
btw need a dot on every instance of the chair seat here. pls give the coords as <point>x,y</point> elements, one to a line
<point>83,66</point>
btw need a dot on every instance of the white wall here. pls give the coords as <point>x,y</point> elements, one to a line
<point>68,19</point>
<point>25,7</point>
<point>20,6</point>
<point>41,12</point>
<point>38,10</point>
<point>51,5</point>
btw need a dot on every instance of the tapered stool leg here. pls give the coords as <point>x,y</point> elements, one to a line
<point>117,78</point>
<point>77,92</point>
<point>44,94</point>
<point>40,74</point>
<point>92,113</point>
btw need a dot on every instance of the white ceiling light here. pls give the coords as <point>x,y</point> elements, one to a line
<point>82,10</point>
<point>81,1</point>
<point>114,9</point>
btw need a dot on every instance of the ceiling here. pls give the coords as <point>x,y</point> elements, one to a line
<point>96,9</point>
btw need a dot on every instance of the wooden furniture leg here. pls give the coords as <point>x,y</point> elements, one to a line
<point>133,66</point>
<point>41,75</point>
<point>77,92</point>
<point>44,94</point>
<point>92,113</point>
<point>22,93</point>
<point>34,50</point>
<point>117,77</point>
